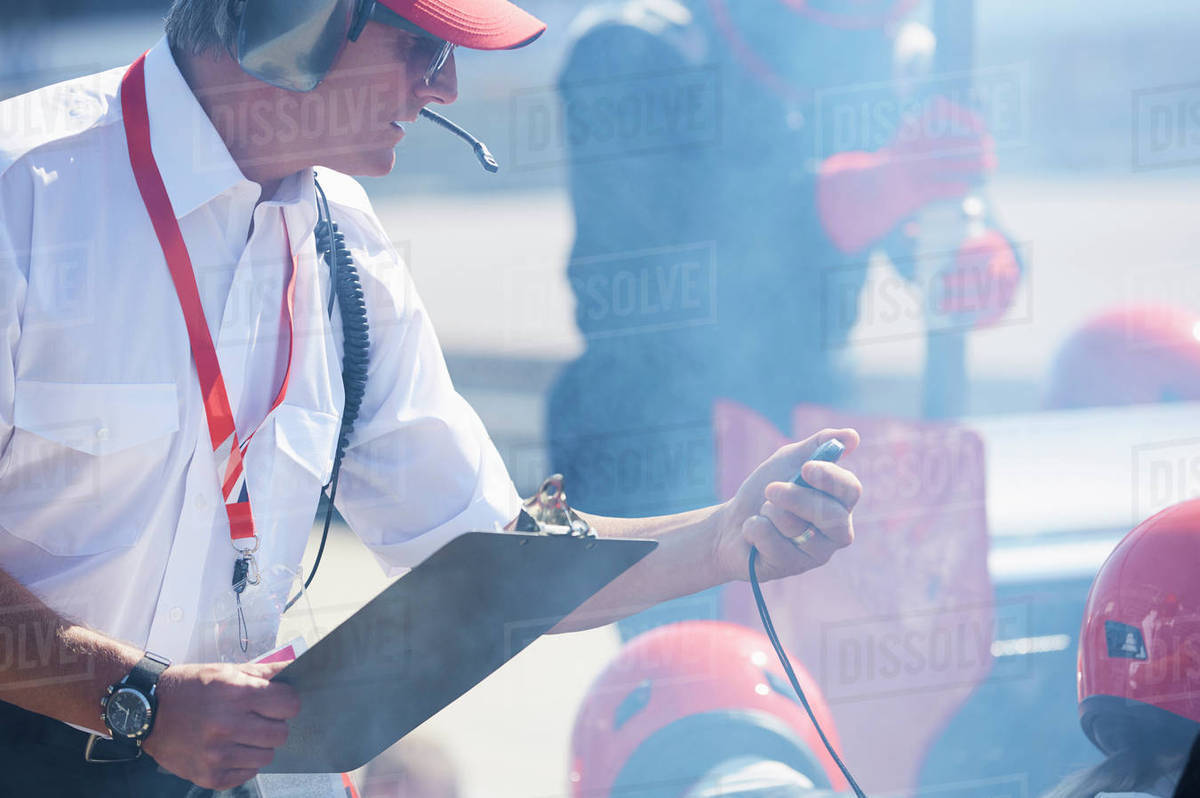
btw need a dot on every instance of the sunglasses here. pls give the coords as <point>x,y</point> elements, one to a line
<point>373,10</point>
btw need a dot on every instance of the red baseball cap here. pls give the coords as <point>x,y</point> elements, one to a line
<point>475,24</point>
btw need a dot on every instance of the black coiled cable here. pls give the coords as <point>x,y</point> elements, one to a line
<point>347,289</point>
<point>769,627</point>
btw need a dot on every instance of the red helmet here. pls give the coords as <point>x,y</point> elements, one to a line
<point>1131,355</point>
<point>1139,649</point>
<point>683,698</point>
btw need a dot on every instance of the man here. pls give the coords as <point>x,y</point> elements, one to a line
<point>137,468</point>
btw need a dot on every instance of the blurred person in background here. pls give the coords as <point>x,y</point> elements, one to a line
<point>1139,660</point>
<point>415,767</point>
<point>722,236</point>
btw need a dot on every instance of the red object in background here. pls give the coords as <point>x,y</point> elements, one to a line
<point>681,699</point>
<point>896,629</point>
<point>982,281</point>
<point>1129,355</point>
<point>940,154</point>
<point>1139,647</point>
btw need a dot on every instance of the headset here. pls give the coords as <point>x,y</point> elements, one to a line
<point>292,44</point>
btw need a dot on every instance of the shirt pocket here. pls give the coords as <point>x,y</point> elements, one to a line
<point>85,468</point>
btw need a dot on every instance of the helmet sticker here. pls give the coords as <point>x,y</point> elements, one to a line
<point>1124,641</point>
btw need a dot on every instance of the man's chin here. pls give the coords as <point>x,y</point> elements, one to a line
<point>383,166</point>
<point>376,163</point>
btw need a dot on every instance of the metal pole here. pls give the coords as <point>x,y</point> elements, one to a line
<point>945,384</point>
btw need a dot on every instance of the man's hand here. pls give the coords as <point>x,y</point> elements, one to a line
<point>219,724</point>
<point>769,512</point>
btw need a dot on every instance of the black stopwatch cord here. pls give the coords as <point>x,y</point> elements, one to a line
<point>347,288</point>
<point>791,674</point>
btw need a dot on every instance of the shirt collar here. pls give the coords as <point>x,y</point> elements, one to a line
<point>194,162</point>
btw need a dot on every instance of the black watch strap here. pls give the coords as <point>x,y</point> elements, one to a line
<point>102,749</point>
<point>144,676</point>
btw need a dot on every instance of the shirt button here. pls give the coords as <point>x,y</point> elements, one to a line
<point>201,501</point>
<point>102,433</point>
<point>176,614</point>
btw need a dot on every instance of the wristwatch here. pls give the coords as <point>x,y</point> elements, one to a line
<point>128,706</point>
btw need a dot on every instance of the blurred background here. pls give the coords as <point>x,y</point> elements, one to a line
<point>1070,359</point>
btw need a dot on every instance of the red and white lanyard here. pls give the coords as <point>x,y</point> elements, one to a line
<point>229,450</point>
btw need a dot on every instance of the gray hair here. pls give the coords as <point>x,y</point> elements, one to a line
<point>197,27</point>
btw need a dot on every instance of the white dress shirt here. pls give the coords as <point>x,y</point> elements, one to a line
<point>110,508</point>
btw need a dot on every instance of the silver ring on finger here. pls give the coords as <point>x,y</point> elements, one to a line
<point>808,534</point>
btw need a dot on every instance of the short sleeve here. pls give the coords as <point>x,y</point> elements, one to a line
<point>420,469</point>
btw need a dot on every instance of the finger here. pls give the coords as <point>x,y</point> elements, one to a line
<point>832,479</point>
<point>276,700</point>
<point>227,780</point>
<point>783,555</point>
<point>797,453</point>
<point>847,436</point>
<point>802,535</point>
<point>788,461</point>
<point>246,757</point>
<point>264,670</point>
<point>801,508</point>
<point>260,732</point>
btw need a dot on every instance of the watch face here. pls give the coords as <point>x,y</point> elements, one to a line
<point>128,712</point>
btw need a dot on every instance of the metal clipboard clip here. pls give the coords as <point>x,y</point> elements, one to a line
<point>547,513</point>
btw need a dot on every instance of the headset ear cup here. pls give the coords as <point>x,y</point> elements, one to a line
<point>292,44</point>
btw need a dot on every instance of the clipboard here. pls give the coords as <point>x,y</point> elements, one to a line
<point>434,634</point>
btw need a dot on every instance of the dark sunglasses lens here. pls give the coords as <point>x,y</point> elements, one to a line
<point>438,62</point>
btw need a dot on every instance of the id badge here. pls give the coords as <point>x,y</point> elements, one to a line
<point>243,627</point>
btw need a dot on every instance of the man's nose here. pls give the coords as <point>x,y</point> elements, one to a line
<point>444,89</point>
